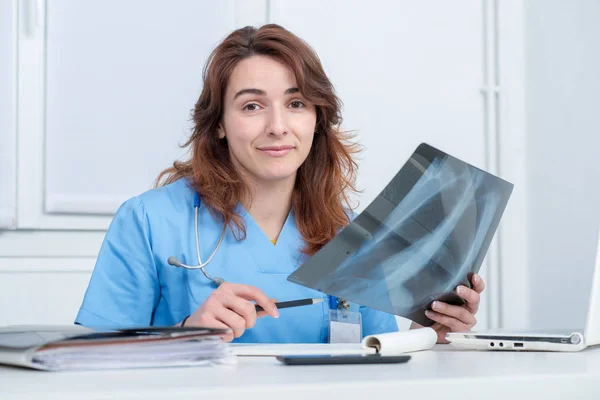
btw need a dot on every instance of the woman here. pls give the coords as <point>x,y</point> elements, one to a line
<point>269,173</point>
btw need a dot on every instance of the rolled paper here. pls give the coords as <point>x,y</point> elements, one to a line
<point>401,342</point>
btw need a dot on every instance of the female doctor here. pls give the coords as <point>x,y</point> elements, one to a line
<point>265,187</point>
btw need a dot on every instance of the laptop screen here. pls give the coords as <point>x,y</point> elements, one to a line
<point>422,236</point>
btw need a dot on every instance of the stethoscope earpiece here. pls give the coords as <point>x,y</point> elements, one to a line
<point>174,261</point>
<point>218,281</point>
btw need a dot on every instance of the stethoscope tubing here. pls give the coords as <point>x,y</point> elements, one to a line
<point>334,302</point>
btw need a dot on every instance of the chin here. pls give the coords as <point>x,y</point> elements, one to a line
<point>278,175</point>
<point>275,178</point>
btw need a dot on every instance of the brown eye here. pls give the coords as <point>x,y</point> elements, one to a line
<point>251,107</point>
<point>296,104</point>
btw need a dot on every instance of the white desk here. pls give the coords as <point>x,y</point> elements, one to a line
<point>440,374</point>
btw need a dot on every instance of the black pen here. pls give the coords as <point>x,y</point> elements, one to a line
<point>293,303</point>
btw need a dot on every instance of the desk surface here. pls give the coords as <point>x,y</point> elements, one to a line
<point>443,373</point>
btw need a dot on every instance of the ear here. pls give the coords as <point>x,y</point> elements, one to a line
<point>221,132</point>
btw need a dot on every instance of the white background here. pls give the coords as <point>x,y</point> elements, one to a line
<point>103,90</point>
<point>563,108</point>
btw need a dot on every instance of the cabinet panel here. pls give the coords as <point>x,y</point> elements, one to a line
<point>8,148</point>
<point>41,291</point>
<point>121,80</point>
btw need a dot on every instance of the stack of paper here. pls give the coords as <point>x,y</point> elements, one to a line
<point>63,348</point>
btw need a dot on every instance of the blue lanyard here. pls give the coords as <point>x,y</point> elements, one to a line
<point>333,303</point>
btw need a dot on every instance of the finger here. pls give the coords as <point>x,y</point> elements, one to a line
<point>470,296</point>
<point>227,337</point>
<point>213,323</point>
<point>240,306</point>
<point>478,283</point>
<point>261,314</point>
<point>256,295</point>
<point>233,320</point>
<point>452,323</point>
<point>456,312</point>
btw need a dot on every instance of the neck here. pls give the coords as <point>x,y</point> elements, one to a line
<point>271,204</point>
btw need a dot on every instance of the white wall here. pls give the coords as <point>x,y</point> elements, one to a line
<point>563,141</point>
<point>514,307</point>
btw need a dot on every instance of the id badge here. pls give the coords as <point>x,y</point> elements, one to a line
<point>344,326</point>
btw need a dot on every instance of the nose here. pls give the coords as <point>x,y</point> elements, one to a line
<point>277,124</point>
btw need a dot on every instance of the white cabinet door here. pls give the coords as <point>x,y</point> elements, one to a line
<point>108,89</point>
<point>8,148</point>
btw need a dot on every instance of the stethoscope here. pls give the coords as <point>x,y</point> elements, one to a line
<point>334,302</point>
<point>175,261</point>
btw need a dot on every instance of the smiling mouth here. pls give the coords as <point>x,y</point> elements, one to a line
<point>276,151</point>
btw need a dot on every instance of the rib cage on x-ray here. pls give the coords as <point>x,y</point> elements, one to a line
<point>419,239</point>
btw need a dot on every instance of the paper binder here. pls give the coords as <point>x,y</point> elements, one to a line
<point>72,347</point>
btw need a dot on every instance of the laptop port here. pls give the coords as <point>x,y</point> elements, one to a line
<point>518,344</point>
<point>491,344</point>
<point>501,344</point>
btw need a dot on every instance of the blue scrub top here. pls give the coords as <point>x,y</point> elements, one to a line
<point>133,285</point>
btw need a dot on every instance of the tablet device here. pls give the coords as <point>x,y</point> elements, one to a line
<point>327,359</point>
<point>425,234</point>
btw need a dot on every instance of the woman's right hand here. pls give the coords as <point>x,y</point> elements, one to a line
<point>230,306</point>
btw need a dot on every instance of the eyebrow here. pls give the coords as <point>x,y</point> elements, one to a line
<point>259,92</point>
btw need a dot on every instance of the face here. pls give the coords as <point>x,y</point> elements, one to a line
<point>268,124</point>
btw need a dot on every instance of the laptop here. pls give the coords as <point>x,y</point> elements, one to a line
<point>537,340</point>
<point>426,233</point>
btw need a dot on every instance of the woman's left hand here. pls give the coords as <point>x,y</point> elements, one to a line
<point>451,318</point>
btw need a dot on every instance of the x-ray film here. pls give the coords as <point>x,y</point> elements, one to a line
<point>426,233</point>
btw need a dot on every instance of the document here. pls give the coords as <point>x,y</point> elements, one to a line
<point>384,344</point>
<point>76,348</point>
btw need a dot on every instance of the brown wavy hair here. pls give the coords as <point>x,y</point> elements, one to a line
<point>320,197</point>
